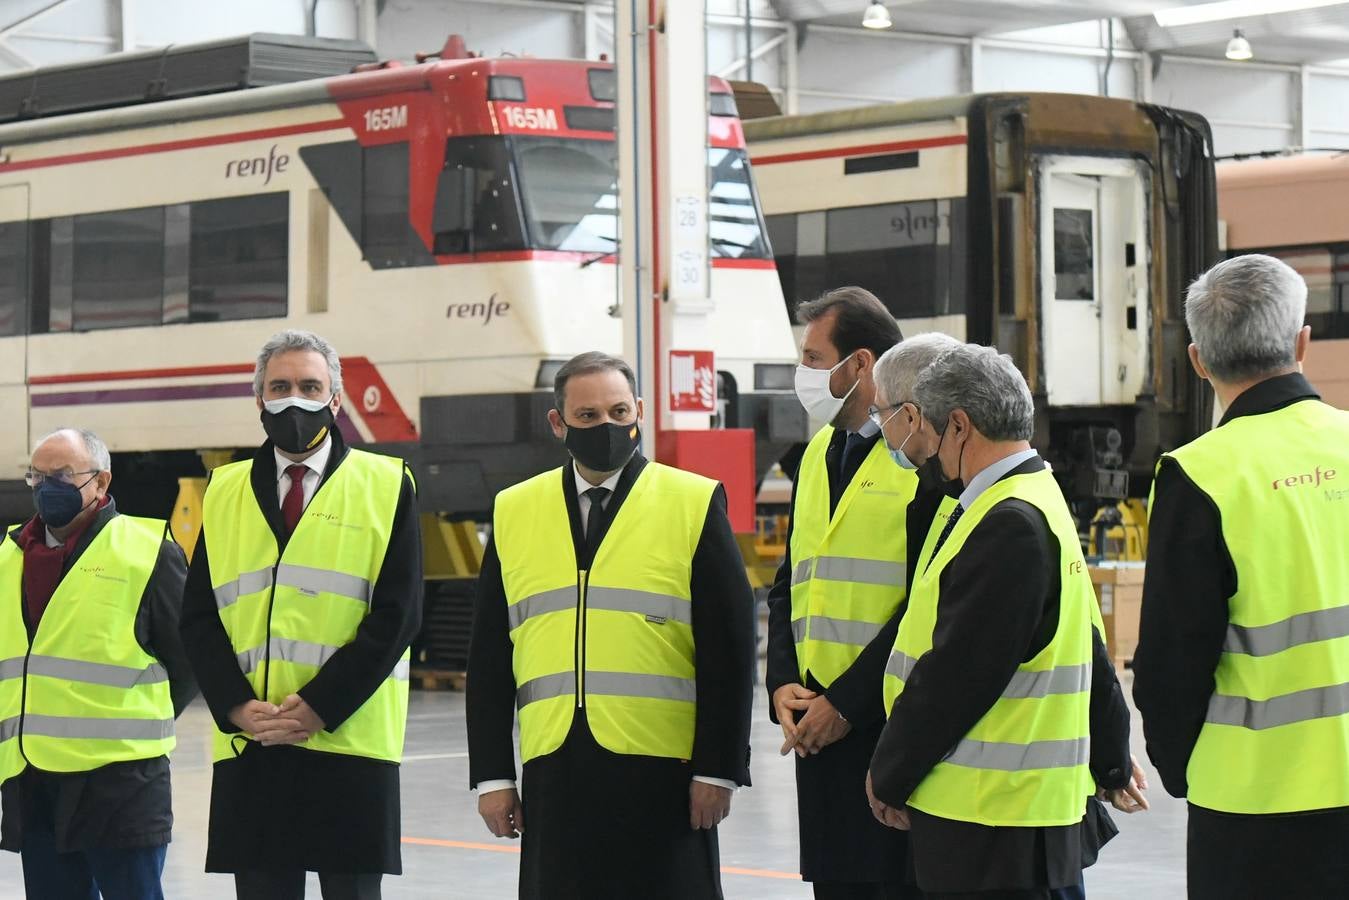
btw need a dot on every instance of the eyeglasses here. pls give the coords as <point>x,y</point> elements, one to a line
<point>875,412</point>
<point>33,477</point>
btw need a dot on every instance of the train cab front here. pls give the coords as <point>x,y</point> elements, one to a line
<point>495,216</point>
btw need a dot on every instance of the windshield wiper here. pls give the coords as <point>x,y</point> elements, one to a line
<point>604,254</point>
<point>737,245</point>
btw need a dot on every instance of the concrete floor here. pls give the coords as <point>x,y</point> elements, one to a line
<point>448,852</point>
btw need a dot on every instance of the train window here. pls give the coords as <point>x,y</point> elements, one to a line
<point>1074,262</point>
<point>118,272</point>
<point>177,250</point>
<point>384,201</point>
<point>570,190</point>
<point>497,220</point>
<point>1317,267</point>
<point>239,258</point>
<point>13,277</point>
<point>733,222</point>
<point>910,255</point>
<point>60,276</point>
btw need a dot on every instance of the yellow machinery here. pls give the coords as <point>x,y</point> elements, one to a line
<point>1125,530</point>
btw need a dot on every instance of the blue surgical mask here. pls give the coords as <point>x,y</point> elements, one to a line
<point>901,458</point>
<point>59,503</point>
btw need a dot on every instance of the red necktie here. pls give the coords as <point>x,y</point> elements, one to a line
<point>293,505</point>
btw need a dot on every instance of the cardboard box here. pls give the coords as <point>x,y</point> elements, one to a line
<point>1119,591</point>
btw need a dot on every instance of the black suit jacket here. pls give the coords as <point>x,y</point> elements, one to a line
<point>988,624</point>
<point>723,629</point>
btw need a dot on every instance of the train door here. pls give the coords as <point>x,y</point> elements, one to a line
<point>1093,280</point>
<point>14,269</point>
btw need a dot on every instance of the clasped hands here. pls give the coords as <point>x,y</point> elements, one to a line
<point>293,722</point>
<point>821,726</point>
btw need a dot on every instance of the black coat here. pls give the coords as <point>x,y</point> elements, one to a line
<point>610,824</point>
<point>1185,616</point>
<point>1000,622</point>
<point>288,807</point>
<point>121,805</point>
<point>840,838</point>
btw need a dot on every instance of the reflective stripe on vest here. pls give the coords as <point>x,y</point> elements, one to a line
<point>286,616</point>
<point>85,694</point>
<point>1024,763</point>
<point>1276,736</point>
<point>634,633</point>
<point>848,571</point>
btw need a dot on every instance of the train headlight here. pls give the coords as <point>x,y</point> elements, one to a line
<point>547,372</point>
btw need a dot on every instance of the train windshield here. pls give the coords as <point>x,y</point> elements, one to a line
<point>549,193</point>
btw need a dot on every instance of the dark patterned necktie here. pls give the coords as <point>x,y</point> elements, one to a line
<point>595,521</point>
<point>946,532</point>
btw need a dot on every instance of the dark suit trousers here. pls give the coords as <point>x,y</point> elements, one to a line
<point>1292,857</point>
<point>605,826</point>
<point>289,885</point>
<point>842,890</point>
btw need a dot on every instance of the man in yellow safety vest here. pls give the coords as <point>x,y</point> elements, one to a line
<point>1242,667</point>
<point>304,594</point>
<point>985,756</point>
<point>614,613</point>
<point>92,675</point>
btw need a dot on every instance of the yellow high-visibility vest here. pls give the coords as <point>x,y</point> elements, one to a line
<point>1025,763</point>
<point>85,693</point>
<point>848,568</point>
<point>287,613</point>
<point>617,639</point>
<point>1276,736</point>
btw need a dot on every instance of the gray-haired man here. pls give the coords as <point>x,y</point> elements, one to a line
<point>985,754</point>
<point>1242,667</point>
<point>304,593</point>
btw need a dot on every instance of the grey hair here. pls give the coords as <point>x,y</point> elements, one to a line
<point>984,383</point>
<point>589,363</point>
<point>294,339</point>
<point>1244,316</point>
<point>899,367</point>
<point>93,445</point>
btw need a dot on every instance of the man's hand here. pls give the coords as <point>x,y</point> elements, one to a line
<point>502,812</point>
<point>786,701</point>
<point>708,804</point>
<point>295,722</point>
<point>1129,799</point>
<point>885,814</point>
<point>249,717</point>
<point>819,727</point>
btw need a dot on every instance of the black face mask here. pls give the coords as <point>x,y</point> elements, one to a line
<point>603,448</point>
<point>297,430</point>
<point>930,474</point>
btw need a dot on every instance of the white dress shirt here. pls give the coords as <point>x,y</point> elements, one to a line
<point>609,484</point>
<point>504,784</point>
<point>315,464</point>
<point>989,476</point>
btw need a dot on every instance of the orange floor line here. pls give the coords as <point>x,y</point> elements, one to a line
<point>515,848</point>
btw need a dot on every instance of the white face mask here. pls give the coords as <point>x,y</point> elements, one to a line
<point>812,389</point>
<point>285,403</point>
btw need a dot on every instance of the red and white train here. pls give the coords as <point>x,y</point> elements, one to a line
<point>450,226</point>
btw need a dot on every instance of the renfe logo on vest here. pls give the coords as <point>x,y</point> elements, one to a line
<point>1313,478</point>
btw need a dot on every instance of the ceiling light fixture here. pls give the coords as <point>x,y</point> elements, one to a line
<point>1233,9</point>
<point>1239,48</point>
<point>876,16</point>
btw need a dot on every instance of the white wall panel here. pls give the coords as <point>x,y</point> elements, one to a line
<point>1017,69</point>
<point>875,68</point>
<point>406,26</point>
<point>1250,108</point>
<point>1327,110</point>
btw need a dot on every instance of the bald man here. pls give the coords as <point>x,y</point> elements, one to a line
<point>92,676</point>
